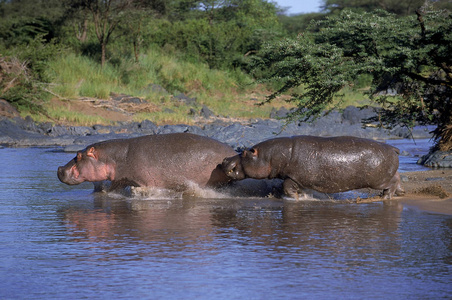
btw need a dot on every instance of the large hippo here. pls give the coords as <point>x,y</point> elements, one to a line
<point>327,165</point>
<point>165,161</point>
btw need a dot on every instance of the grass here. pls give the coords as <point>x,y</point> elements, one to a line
<point>65,116</point>
<point>226,93</point>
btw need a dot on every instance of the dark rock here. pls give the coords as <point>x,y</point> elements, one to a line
<point>123,98</point>
<point>80,130</point>
<point>172,129</point>
<point>29,125</point>
<point>7,110</point>
<point>181,97</point>
<point>196,130</point>
<point>437,159</point>
<point>133,100</point>
<point>192,112</point>
<point>117,97</point>
<point>422,132</point>
<point>101,129</point>
<point>404,153</point>
<point>279,114</point>
<point>12,133</point>
<point>25,132</point>
<point>355,115</point>
<point>148,127</point>
<point>206,112</point>
<point>418,132</point>
<point>127,128</point>
<point>155,88</point>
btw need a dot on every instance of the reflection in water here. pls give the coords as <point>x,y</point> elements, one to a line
<point>285,243</point>
<point>62,242</point>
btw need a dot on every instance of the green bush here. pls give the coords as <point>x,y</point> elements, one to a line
<point>23,74</point>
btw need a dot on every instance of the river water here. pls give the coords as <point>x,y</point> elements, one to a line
<point>61,242</point>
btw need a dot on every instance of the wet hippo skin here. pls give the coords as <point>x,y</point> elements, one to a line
<point>166,161</point>
<point>327,165</point>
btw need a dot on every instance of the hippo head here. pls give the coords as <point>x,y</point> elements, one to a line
<point>86,166</point>
<point>232,167</point>
<point>249,164</point>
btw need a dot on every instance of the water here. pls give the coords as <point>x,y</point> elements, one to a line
<point>61,242</point>
<point>415,150</point>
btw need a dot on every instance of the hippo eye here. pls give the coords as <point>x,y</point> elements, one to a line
<point>78,157</point>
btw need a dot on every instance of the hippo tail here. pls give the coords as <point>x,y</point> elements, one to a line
<point>396,150</point>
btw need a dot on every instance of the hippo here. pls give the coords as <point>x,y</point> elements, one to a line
<point>168,161</point>
<point>323,164</point>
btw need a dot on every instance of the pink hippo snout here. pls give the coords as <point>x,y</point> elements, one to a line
<point>69,175</point>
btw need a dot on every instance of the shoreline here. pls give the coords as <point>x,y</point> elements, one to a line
<point>19,132</point>
<point>429,191</point>
<point>422,187</point>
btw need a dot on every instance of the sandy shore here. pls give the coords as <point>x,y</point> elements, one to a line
<point>428,190</point>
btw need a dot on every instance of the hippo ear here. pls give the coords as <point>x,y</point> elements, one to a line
<point>91,152</point>
<point>250,153</point>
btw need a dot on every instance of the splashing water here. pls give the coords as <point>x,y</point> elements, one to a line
<point>191,190</point>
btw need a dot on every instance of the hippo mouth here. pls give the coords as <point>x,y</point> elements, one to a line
<point>69,176</point>
<point>232,168</point>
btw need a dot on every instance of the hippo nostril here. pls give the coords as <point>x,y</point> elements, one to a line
<point>60,172</point>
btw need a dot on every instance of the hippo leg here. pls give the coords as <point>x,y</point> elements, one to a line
<point>291,188</point>
<point>394,187</point>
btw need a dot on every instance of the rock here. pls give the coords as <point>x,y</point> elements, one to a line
<point>355,115</point>
<point>30,125</point>
<point>148,127</point>
<point>192,112</point>
<point>437,159</point>
<point>26,132</point>
<point>7,110</point>
<point>101,129</point>
<point>206,112</point>
<point>279,114</point>
<point>123,98</point>
<point>133,100</point>
<point>181,97</point>
<point>172,129</point>
<point>155,88</point>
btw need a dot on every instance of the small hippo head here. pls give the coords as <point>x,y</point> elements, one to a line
<point>249,164</point>
<point>86,166</point>
<point>232,167</point>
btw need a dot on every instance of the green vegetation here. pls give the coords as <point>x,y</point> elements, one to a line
<point>407,58</point>
<point>215,50</point>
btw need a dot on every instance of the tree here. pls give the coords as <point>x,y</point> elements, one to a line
<point>408,59</point>
<point>24,74</point>
<point>398,7</point>
<point>222,32</point>
<point>137,19</point>
<point>21,21</point>
<point>106,15</point>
